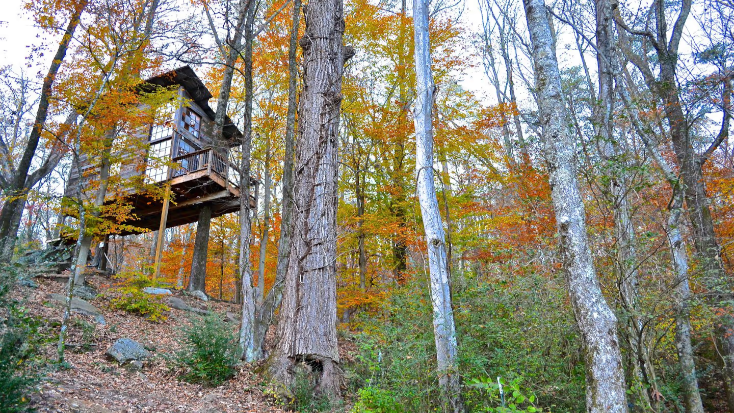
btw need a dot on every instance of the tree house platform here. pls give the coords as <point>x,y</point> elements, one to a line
<point>201,177</point>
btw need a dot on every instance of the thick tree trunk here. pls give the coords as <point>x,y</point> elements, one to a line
<point>307,327</point>
<point>15,196</point>
<point>197,279</point>
<point>443,316</point>
<point>605,387</point>
<point>264,316</point>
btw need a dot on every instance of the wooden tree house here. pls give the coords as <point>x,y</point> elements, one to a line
<point>195,168</point>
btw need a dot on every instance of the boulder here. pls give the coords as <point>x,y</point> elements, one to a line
<point>157,291</point>
<point>78,306</point>
<point>180,304</point>
<point>126,350</point>
<point>200,295</point>
<point>85,292</point>
<point>27,282</point>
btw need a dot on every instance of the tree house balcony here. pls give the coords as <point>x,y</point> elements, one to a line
<point>197,178</point>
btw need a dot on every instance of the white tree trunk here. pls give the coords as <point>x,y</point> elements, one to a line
<point>605,387</point>
<point>443,316</point>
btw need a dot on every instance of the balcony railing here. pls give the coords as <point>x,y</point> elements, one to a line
<point>209,160</point>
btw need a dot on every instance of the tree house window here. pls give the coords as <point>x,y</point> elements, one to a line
<point>158,154</point>
<point>164,127</point>
<point>191,122</point>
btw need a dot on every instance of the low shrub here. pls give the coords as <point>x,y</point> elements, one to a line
<point>210,354</point>
<point>501,397</point>
<point>131,298</point>
<point>376,400</point>
<point>304,397</point>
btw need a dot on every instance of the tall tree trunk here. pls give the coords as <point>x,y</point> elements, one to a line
<point>605,387</point>
<point>250,351</point>
<point>361,236</point>
<point>266,228</point>
<point>398,201</point>
<point>615,163</point>
<point>87,237</point>
<point>15,196</point>
<point>682,290</point>
<point>691,394</point>
<point>265,313</point>
<point>197,279</point>
<point>307,327</point>
<point>443,316</point>
<point>690,163</point>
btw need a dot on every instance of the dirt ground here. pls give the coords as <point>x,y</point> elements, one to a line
<point>95,383</point>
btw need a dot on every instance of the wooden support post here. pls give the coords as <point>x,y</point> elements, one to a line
<point>161,232</point>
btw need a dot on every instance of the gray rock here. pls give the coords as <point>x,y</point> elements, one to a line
<point>125,349</point>
<point>27,282</point>
<point>179,304</point>
<point>135,365</point>
<point>200,295</point>
<point>232,317</point>
<point>78,306</point>
<point>157,291</point>
<point>85,292</point>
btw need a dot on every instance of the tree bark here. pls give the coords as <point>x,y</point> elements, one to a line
<point>613,154</point>
<point>250,351</point>
<point>682,290</point>
<point>260,295</point>
<point>691,394</point>
<point>307,327</point>
<point>690,163</point>
<point>443,316</point>
<point>605,387</point>
<point>15,195</point>
<point>197,279</point>
<point>264,316</point>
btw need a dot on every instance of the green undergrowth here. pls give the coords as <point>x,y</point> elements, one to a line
<point>21,337</point>
<point>129,296</point>
<point>210,353</point>
<point>524,335</point>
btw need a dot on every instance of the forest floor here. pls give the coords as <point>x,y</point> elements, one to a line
<point>95,383</point>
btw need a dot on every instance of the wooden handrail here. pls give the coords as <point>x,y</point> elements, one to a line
<point>191,154</point>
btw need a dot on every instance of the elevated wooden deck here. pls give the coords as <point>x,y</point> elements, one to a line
<point>201,177</point>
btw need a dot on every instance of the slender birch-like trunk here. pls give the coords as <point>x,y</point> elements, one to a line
<point>260,290</point>
<point>613,153</point>
<point>605,387</point>
<point>682,290</point>
<point>443,317</point>
<point>250,351</point>
<point>86,241</point>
